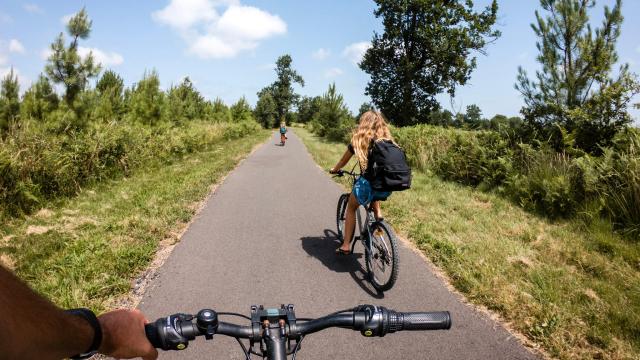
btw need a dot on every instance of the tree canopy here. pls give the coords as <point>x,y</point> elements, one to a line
<point>575,92</point>
<point>65,65</point>
<point>425,49</point>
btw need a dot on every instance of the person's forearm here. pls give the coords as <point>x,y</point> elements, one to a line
<point>29,319</point>
<point>344,160</point>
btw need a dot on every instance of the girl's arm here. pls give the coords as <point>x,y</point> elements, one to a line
<point>343,161</point>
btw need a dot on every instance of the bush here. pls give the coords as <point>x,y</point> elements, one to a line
<point>37,165</point>
<point>240,129</point>
<point>619,183</point>
<point>549,183</point>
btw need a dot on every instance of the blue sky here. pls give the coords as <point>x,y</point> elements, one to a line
<point>228,47</point>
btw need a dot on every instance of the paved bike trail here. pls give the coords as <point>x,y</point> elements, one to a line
<point>267,236</point>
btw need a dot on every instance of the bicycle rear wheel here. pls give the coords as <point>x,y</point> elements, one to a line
<point>340,214</point>
<point>382,258</point>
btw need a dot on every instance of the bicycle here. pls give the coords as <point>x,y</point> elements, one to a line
<point>280,333</point>
<point>377,237</point>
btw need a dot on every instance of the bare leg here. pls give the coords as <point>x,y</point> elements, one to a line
<point>349,223</point>
<point>376,210</point>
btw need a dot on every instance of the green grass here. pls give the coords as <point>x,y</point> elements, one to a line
<point>570,288</point>
<point>86,250</point>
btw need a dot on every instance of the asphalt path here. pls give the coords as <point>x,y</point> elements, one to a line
<point>267,236</point>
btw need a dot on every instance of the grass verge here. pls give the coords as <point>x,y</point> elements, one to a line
<point>571,289</point>
<point>85,251</point>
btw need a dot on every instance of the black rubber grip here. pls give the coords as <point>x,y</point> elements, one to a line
<point>440,320</point>
<point>151,330</point>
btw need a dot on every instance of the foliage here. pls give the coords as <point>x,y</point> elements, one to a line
<point>619,182</point>
<point>39,100</point>
<point>37,165</point>
<point>183,103</point>
<point>575,88</point>
<point>217,111</point>
<point>333,119</point>
<point>281,93</point>
<point>266,112</point>
<point>110,89</point>
<point>9,101</point>
<point>145,100</point>
<point>65,65</point>
<point>241,111</point>
<point>307,108</point>
<point>425,50</point>
<point>282,88</point>
<point>364,108</point>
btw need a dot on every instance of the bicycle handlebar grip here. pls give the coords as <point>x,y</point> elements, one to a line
<point>440,320</point>
<point>151,330</point>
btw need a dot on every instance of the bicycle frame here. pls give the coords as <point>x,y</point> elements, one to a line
<point>363,227</point>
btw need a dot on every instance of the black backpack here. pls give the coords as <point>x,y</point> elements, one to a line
<point>387,168</point>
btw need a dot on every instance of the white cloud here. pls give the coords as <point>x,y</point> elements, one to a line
<point>102,57</point>
<point>321,54</point>
<point>333,72</point>
<point>638,49</point>
<point>183,14</point>
<point>3,59</point>
<point>16,46</point>
<point>33,8</point>
<point>213,36</point>
<point>355,51</point>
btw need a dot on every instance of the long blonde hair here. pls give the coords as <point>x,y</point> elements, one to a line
<point>372,126</point>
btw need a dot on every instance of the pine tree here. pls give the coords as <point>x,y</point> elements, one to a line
<point>575,91</point>
<point>146,100</point>
<point>65,65</point>
<point>110,90</point>
<point>241,110</point>
<point>39,100</point>
<point>9,101</point>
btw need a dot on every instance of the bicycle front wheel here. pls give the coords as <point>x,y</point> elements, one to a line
<point>381,257</point>
<point>340,214</point>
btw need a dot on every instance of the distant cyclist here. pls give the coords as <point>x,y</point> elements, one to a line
<point>283,133</point>
<point>372,128</point>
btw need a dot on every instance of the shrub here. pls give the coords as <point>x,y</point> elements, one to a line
<point>619,185</point>
<point>36,164</point>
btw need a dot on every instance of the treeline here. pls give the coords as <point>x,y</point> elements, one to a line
<point>53,144</point>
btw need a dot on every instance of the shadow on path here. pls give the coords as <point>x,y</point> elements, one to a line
<point>323,249</point>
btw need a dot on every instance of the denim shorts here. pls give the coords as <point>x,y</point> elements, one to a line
<point>365,194</point>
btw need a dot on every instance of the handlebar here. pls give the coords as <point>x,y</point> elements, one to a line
<point>341,173</point>
<point>275,326</point>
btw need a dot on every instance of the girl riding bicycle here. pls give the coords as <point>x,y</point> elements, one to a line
<point>283,132</point>
<point>371,128</point>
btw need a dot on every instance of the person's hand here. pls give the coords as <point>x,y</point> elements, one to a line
<point>333,171</point>
<point>123,335</point>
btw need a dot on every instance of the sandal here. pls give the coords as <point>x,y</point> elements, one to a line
<point>341,252</point>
